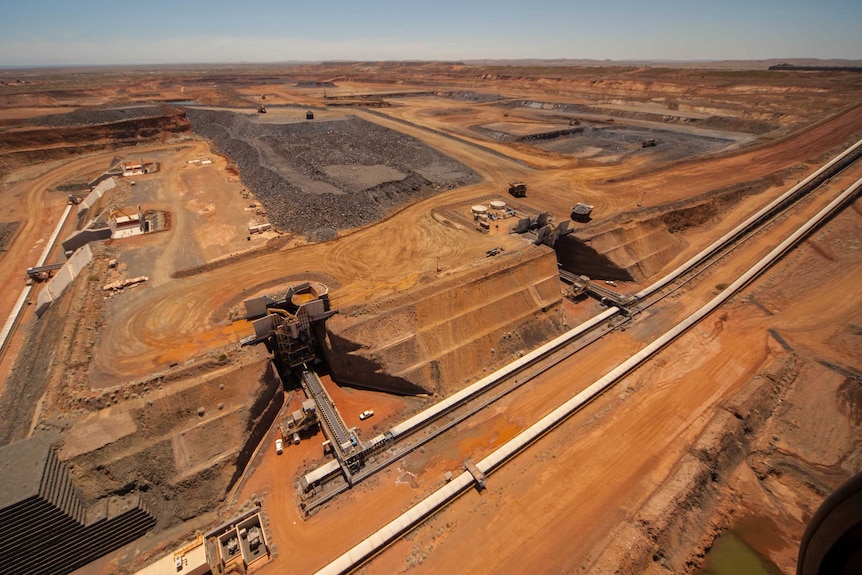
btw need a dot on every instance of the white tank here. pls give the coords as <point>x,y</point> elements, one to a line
<point>498,205</point>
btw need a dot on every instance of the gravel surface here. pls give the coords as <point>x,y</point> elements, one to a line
<point>470,96</point>
<point>297,171</point>
<point>91,116</point>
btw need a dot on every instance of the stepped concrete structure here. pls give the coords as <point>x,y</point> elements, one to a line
<point>45,526</point>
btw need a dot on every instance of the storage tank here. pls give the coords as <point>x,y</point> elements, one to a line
<point>479,211</point>
<point>498,205</point>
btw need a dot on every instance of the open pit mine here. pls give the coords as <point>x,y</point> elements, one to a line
<point>437,318</point>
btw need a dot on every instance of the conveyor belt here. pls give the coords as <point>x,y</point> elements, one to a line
<point>330,417</point>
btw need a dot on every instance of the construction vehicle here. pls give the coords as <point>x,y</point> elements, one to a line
<point>303,418</point>
<point>261,110</point>
<point>581,212</point>
<point>117,213</point>
<point>75,199</point>
<point>43,273</point>
<point>518,189</point>
<point>648,143</point>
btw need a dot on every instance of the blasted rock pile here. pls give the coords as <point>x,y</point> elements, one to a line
<point>282,162</point>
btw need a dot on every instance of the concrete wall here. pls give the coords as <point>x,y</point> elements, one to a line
<point>256,307</point>
<point>55,287</point>
<point>96,194</point>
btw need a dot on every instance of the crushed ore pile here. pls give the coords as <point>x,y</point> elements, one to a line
<point>320,177</point>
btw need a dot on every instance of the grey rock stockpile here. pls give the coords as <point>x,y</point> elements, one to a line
<point>319,177</point>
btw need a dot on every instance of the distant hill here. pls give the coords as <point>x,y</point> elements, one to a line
<point>695,64</point>
<point>786,66</point>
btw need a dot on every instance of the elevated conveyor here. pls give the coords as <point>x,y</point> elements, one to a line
<point>333,425</point>
<point>348,451</point>
<point>581,284</point>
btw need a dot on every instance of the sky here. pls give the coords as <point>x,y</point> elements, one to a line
<point>85,32</point>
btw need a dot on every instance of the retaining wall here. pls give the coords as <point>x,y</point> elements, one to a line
<point>55,287</point>
<point>96,194</point>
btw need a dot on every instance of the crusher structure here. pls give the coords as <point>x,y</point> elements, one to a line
<point>288,322</point>
<point>291,324</point>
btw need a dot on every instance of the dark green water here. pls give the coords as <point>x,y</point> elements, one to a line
<point>730,555</point>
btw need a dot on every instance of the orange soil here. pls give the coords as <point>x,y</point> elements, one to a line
<point>555,504</point>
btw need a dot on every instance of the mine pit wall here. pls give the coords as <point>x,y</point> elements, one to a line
<point>262,414</point>
<point>671,532</point>
<point>579,257</point>
<point>633,246</point>
<point>439,338</point>
<point>219,446</point>
<point>28,146</point>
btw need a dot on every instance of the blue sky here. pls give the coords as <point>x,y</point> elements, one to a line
<point>44,32</point>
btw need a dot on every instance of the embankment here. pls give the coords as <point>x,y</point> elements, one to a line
<point>438,337</point>
<point>22,146</point>
<point>634,245</point>
<point>181,446</point>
